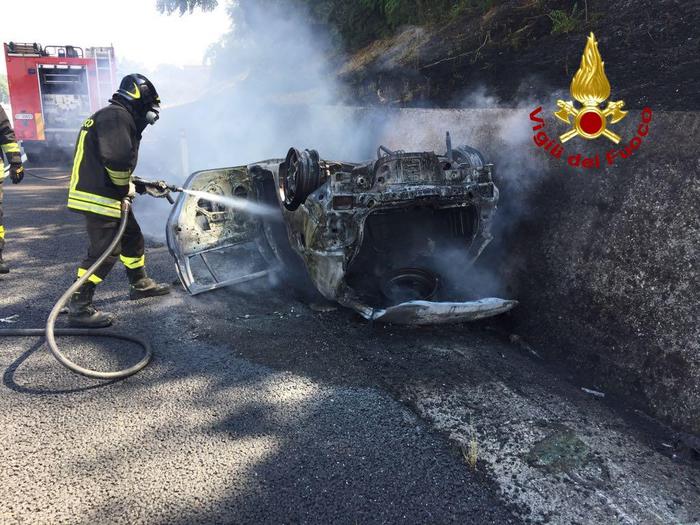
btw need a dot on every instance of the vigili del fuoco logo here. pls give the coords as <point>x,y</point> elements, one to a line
<point>590,88</point>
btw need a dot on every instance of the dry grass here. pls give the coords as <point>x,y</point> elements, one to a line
<point>471,452</point>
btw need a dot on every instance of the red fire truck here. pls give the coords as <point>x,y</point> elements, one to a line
<point>53,89</point>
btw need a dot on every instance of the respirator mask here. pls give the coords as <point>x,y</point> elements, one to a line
<point>153,114</point>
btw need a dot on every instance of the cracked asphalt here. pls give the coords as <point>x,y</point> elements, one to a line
<point>204,434</point>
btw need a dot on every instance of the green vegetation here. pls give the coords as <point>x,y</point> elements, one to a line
<point>355,23</point>
<point>360,22</point>
<point>563,22</point>
<point>4,91</point>
<point>185,6</point>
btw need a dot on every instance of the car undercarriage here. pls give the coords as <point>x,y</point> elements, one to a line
<point>391,238</point>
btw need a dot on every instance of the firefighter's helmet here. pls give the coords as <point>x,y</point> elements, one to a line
<point>140,92</point>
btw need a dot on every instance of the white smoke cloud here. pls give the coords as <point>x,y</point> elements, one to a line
<point>273,86</point>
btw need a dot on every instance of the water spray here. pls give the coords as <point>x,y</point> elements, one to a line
<point>235,203</point>
<point>160,188</point>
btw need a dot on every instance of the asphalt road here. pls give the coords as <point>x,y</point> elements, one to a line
<point>203,434</point>
<point>259,409</point>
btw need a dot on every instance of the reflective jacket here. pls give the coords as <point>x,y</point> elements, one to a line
<point>8,143</point>
<point>106,153</point>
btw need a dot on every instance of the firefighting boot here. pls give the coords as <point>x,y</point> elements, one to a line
<point>143,286</point>
<point>81,312</point>
<point>3,266</point>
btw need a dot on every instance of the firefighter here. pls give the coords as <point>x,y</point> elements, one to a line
<point>14,156</point>
<point>106,153</point>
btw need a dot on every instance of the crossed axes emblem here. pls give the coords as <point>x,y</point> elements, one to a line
<point>590,122</point>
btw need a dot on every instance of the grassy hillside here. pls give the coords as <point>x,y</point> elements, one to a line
<point>518,47</point>
<point>433,52</point>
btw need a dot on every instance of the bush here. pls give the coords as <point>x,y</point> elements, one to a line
<point>360,22</point>
<point>562,22</point>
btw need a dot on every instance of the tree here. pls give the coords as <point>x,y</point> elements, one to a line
<point>185,6</point>
<point>4,92</point>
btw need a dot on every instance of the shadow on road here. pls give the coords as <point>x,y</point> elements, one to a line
<point>8,377</point>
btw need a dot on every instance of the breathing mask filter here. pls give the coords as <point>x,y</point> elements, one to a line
<point>153,114</point>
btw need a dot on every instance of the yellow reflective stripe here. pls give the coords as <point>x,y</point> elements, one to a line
<point>95,199</point>
<point>133,262</point>
<point>2,231</point>
<point>93,278</point>
<point>116,174</point>
<point>83,201</point>
<point>119,178</point>
<point>79,151</point>
<point>94,208</point>
<point>11,147</point>
<point>77,203</point>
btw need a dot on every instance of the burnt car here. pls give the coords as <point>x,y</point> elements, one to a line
<point>392,238</point>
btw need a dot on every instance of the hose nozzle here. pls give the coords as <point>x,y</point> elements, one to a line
<point>157,188</point>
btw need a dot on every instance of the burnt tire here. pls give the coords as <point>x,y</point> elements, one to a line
<point>300,175</point>
<point>409,284</point>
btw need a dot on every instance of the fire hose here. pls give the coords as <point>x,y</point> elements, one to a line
<point>50,332</point>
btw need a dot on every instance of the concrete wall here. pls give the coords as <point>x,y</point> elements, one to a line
<point>605,262</point>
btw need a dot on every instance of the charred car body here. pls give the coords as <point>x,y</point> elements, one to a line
<point>390,238</point>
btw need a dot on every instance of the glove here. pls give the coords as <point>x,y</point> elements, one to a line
<point>16,168</point>
<point>158,189</point>
<point>16,173</point>
<point>132,190</point>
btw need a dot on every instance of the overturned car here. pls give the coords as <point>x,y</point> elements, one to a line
<point>391,238</point>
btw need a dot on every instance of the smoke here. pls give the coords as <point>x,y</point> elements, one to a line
<point>502,132</point>
<point>272,85</point>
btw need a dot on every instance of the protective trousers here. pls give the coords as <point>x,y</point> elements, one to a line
<point>101,231</point>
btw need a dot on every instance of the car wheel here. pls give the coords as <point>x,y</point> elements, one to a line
<point>300,175</point>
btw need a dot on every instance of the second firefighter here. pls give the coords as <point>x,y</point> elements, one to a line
<point>14,156</point>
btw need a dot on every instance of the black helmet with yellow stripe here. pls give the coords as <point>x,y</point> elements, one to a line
<point>140,93</point>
